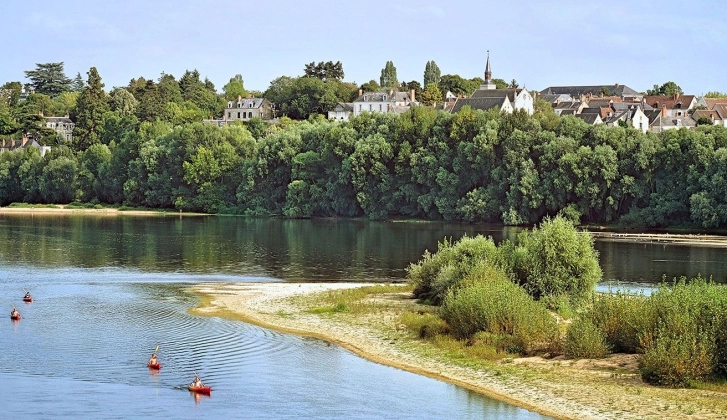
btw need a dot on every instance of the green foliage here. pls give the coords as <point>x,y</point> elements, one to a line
<point>90,108</point>
<point>49,79</point>
<point>555,259</point>
<point>435,274</point>
<point>234,88</point>
<point>668,89</point>
<point>324,71</point>
<point>424,324</point>
<point>488,301</point>
<point>715,94</point>
<point>585,341</point>
<point>431,95</point>
<point>432,73</point>
<point>388,76</point>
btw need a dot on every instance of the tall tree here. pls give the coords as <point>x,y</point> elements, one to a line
<point>234,88</point>
<point>49,79</point>
<point>388,76</point>
<point>431,73</point>
<point>91,105</point>
<point>11,92</point>
<point>667,89</point>
<point>77,84</point>
<point>122,102</point>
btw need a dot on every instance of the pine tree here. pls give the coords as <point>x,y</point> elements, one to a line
<point>92,104</point>
<point>78,83</point>
<point>432,73</point>
<point>49,79</point>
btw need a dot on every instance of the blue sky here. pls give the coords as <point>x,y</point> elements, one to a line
<point>538,43</point>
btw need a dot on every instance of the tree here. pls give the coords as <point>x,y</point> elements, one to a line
<point>715,94</point>
<point>10,92</point>
<point>49,79</point>
<point>122,102</point>
<point>500,83</point>
<point>431,95</point>
<point>667,89</point>
<point>370,86</point>
<point>90,108</point>
<point>77,84</point>
<point>413,85</point>
<point>324,71</point>
<point>388,77</point>
<point>457,85</point>
<point>431,73</point>
<point>513,84</point>
<point>7,125</point>
<point>234,88</point>
<point>65,103</point>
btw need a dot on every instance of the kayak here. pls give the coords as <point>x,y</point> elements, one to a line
<point>27,299</point>
<point>200,389</point>
<point>15,317</point>
<point>155,366</point>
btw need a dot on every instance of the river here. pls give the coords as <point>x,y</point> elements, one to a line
<point>108,290</point>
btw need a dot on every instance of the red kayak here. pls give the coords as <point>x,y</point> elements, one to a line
<point>15,317</point>
<point>200,389</point>
<point>155,366</point>
<point>27,299</point>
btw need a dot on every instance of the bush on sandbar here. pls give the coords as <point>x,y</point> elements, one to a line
<point>488,301</point>
<point>585,340</point>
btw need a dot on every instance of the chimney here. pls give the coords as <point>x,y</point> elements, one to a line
<point>360,93</point>
<point>663,111</point>
<point>239,98</point>
<point>249,95</point>
<point>676,95</point>
<point>411,94</point>
<point>616,85</point>
<point>25,140</point>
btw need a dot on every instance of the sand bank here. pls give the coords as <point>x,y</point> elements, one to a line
<point>603,389</point>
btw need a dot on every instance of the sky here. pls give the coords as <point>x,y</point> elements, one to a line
<point>539,43</point>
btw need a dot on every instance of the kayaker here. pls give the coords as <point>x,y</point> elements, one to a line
<point>27,295</point>
<point>14,313</point>
<point>152,360</point>
<point>197,383</point>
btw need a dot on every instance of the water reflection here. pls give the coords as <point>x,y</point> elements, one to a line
<point>296,250</point>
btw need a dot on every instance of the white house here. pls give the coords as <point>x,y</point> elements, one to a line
<point>390,101</point>
<point>247,108</point>
<point>341,112</point>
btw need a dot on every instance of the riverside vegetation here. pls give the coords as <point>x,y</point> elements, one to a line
<point>537,297</point>
<point>472,166</point>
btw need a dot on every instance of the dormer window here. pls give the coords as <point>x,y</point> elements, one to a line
<point>384,97</point>
<point>239,104</point>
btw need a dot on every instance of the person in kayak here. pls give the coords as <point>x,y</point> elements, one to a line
<point>27,295</point>
<point>153,360</point>
<point>15,313</point>
<point>197,383</point>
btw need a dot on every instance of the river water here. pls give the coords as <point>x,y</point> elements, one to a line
<point>108,290</point>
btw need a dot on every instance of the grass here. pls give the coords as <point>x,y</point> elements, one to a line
<point>33,206</point>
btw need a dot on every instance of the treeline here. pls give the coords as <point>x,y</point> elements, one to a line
<point>472,166</point>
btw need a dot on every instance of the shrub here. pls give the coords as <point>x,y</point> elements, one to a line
<point>585,341</point>
<point>676,357</point>
<point>555,260</point>
<point>488,301</point>
<point>622,318</point>
<point>435,274</point>
<point>425,325</point>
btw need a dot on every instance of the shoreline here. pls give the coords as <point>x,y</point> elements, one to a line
<point>564,389</point>
<point>61,209</point>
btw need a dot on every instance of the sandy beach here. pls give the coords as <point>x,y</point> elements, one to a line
<point>63,210</point>
<point>566,389</point>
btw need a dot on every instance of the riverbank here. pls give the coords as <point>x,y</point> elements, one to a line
<point>566,389</point>
<point>110,211</point>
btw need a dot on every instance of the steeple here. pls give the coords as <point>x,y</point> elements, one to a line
<point>488,72</point>
<point>488,85</point>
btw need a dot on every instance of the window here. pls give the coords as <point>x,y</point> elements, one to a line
<point>381,107</point>
<point>229,115</point>
<point>239,104</point>
<point>371,107</point>
<point>238,115</point>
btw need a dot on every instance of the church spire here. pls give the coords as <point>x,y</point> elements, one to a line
<point>488,72</point>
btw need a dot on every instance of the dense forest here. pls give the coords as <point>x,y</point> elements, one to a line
<point>144,145</point>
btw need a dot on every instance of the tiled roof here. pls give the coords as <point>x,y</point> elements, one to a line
<point>711,114</point>
<point>384,97</point>
<point>479,103</point>
<point>65,120</point>
<point>670,102</point>
<point>711,102</point>
<point>590,118</point>
<point>616,90</point>
<point>496,93</point>
<point>246,102</point>
<point>721,110</point>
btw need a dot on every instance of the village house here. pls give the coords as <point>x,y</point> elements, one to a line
<point>623,92</point>
<point>23,143</point>
<point>389,101</point>
<point>675,105</point>
<point>244,109</point>
<point>489,97</point>
<point>341,112</point>
<point>61,125</point>
<point>660,121</point>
